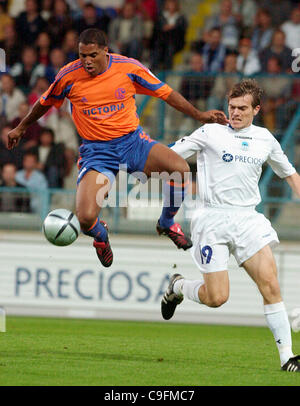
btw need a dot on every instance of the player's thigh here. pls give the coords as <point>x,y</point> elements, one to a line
<point>261,267</point>
<point>216,287</point>
<point>164,159</point>
<point>91,192</point>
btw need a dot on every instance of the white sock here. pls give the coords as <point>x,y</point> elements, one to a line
<point>278,322</point>
<point>189,289</point>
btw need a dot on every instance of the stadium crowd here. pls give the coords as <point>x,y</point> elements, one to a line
<point>245,37</point>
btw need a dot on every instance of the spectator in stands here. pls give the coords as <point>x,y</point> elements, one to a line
<point>43,47</point>
<point>227,23</point>
<point>109,7</point>
<point>50,158</point>
<point>33,179</point>
<point>5,20</point>
<point>53,116</point>
<point>12,201</point>
<point>11,45</point>
<point>196,89</point>
<point>70,168</point>
<point>90,19</point>
<point>10,98</point>
<point>75,7</point>
<point>193,87</point>
<point>168,35</point>
<point>16,7</point>
<point>244,12</point>
<point>63,127</point>
<point>263,30</point>
<point>59,23</point>
<point>280,10</point>
<point>6,155</point>
<point>147,9</point>
<point>279,50</point>
<point>57,61</point>
<point>32,134</point>
<point>70,46</point>
<point>223,83</point>
<point>291,28</point>
<point>46,9</point>
<point>247,60</point>
<point>29,23</point>
<point>198,44</point>
<point>274,95</point>
<point>28,70</point>
<point>126,32</point>
<point>67,200</point>
<point>213,51</point>
<point>287,110</point>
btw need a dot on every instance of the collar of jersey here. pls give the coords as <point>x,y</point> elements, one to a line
<point>108,66</point>
<point>243,130</point>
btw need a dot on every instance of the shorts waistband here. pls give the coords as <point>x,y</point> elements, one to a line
<point>113,140</point>
<point>228,207</point>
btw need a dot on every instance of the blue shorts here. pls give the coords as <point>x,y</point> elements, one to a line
<point>129,151</point>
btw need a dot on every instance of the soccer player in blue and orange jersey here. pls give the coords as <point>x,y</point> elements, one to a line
<point>101,88</point>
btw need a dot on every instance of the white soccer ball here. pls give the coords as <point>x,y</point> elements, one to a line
<point>295,313</point>
<point>296,325</point>
<point>61,227</point>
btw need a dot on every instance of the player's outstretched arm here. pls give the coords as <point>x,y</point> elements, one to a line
<point>294,182</point>
<point>177,101</point>
<point>15,135</point>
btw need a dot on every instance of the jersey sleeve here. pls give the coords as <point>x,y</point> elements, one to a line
<point>58,90</point>
<point>145,82</point>
<point>187,146</point>
<point>279,161</point>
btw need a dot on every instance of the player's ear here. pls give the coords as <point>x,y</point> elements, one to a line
<point>256,109</point>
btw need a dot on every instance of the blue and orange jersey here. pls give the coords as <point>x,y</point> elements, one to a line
<point>103,107</point>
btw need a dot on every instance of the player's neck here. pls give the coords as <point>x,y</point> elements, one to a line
<point>105,65</point>
<point>243,129</point>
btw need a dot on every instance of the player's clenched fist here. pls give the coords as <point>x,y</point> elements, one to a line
<point>14,137</point>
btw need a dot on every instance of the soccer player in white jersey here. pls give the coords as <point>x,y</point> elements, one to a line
<point>229,165</point>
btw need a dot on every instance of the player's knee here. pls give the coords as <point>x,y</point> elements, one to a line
<point>183,168</point>
<point>86,218</point>
<point>270,289</point>
<point>217,300</point>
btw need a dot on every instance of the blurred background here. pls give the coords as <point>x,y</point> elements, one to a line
<point>200,48</point>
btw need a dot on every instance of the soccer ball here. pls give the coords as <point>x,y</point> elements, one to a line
<point>61,227</point>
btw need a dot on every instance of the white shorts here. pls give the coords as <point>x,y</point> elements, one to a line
<point>218,233</point>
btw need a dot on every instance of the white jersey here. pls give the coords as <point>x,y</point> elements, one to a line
<point>229,163</point>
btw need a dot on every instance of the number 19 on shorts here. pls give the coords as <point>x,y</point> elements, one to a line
<point>205,254</point>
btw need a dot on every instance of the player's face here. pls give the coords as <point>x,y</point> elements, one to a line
<point>241,111</point>
<point>94,58</point>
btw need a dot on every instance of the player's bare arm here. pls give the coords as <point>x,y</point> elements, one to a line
<point>294,182</point>
<point>15,135</point>
<point>177,101</point>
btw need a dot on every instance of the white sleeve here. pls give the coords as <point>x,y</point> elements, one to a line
<point>187,146</point>
<point>279,161</point>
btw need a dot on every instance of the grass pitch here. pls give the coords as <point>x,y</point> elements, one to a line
<point>60,352</point>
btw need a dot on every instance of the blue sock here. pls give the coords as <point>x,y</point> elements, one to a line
<point>173,197</point>
<point>97,231</point>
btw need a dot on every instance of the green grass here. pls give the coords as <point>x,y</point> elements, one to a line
<point>65,352</point>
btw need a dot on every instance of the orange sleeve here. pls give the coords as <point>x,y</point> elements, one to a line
<point>145,82</point>
<point>58,90</point>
